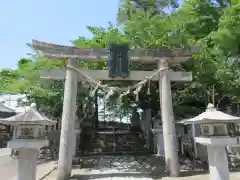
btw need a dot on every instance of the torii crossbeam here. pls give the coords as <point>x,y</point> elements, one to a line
<point>59,74</point>
<point>162,56</point>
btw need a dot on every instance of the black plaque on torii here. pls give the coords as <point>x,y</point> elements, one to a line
<point>118,62</point>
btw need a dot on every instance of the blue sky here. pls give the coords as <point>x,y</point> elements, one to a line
<point>56,21</point>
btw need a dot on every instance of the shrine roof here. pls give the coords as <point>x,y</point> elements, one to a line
<point>4,108</point>
<point>30,116</point>
<point>55,51</point>
<point>6,111</point>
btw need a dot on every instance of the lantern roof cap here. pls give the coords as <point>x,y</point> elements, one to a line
<point>212,115</point>
<point>29,116</point>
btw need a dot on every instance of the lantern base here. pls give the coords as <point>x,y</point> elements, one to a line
<point>218,163</point>
<point>27,143</point>
<point>27,164</point>
<point>217,157</point>
<point>159,142</point>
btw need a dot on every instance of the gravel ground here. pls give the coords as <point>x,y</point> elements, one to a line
<point>134,168</point>
<point>156,166</point>
<point>109,168</point>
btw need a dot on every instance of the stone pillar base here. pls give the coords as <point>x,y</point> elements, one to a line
<point>76,142</point>
<point>74,139</point>
<point>218,163</point>
<point>160,144</point>
<point>27,164</point>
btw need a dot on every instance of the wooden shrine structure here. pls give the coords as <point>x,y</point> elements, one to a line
<point>119,70</point>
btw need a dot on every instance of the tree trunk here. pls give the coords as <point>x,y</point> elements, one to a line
<point>67,126</point>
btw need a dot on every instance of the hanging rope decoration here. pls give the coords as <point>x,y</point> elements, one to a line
<point>149,87</point>
<point>111,90</point>
<point>89,79</point>
<point>110,93</point>
<point>139,85</point>
<point>93,92</point>
<point>138,89</point>
<point>124,94</point>
<point>90,92</point>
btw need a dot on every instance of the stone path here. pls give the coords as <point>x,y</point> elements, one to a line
<point>109,168</point>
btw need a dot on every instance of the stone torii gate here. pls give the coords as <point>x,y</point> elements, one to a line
<point>163,57</point>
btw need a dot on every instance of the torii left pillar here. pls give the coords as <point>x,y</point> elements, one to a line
<point>169,132</point>
<point>68,122</point>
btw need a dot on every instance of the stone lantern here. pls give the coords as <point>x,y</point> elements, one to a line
<point>28,138</point>
<point>215,135</point>
<point>159,140</point>
<point>158,135</point>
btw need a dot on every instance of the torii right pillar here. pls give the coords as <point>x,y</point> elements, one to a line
<point>169,132</point>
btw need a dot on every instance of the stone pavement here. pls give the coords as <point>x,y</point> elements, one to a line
<point>109,168</point>
<point>8,166</point>
<point>43,170</point>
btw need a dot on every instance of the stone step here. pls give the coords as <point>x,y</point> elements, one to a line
<point>124,142</point>
<point>143,152</point>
